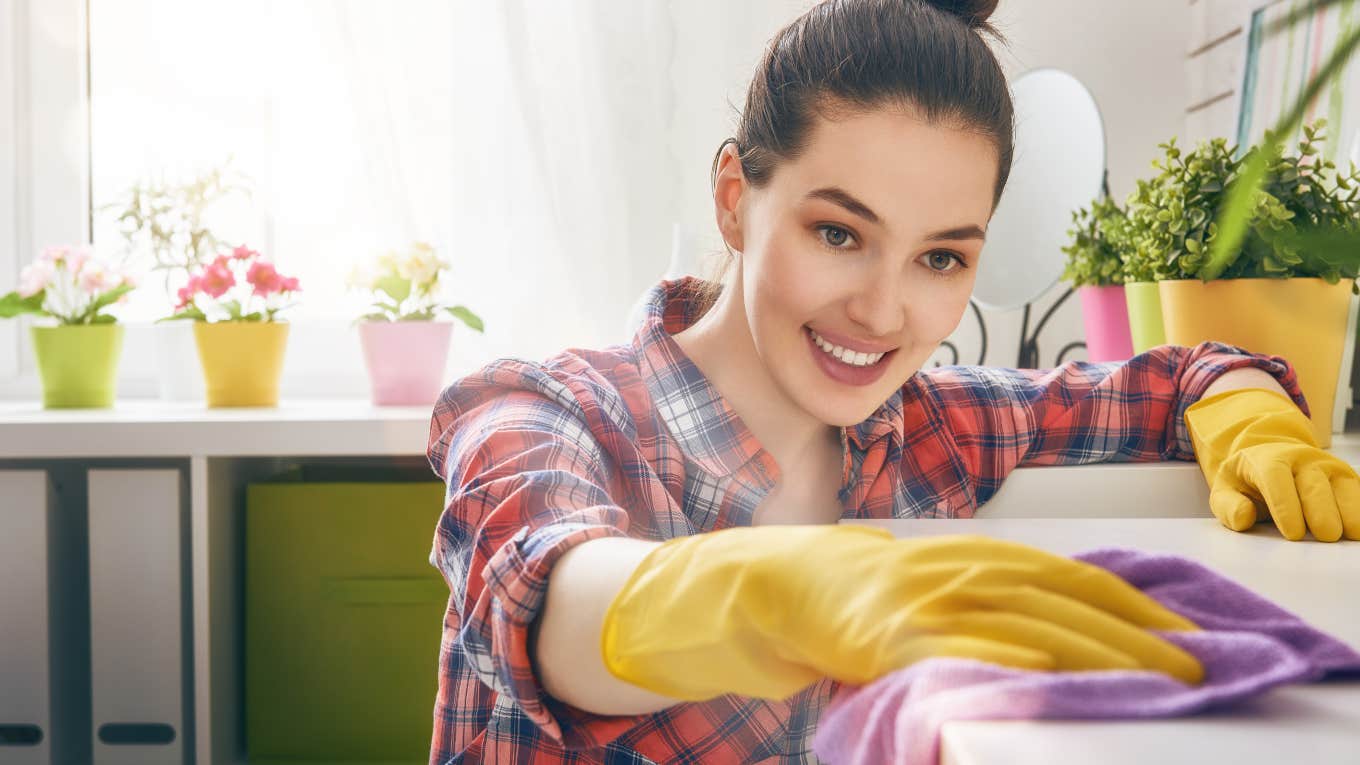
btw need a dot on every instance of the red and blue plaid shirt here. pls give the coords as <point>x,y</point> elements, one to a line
<point>633,440</point>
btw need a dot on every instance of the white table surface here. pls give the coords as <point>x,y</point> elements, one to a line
<point>1309,723</point>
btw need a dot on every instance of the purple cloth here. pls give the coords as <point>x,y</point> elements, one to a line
<point>1247,646</point>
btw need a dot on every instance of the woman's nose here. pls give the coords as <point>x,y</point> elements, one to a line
<point>879,304</point>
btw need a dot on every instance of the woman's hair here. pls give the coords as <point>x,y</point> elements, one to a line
<point>847,56</point>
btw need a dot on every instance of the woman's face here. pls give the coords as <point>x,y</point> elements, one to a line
<point>858,258</point>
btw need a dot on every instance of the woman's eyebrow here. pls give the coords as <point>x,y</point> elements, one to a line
<point>839,196</point>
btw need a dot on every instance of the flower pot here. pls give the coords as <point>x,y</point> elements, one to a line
<point>1301,320</point>
<point>1145,315</point>
<point>405,360</point>
<point>78,364</point>
<point>1105,313</point>
<point>242,361</point>
<point>177,367</point>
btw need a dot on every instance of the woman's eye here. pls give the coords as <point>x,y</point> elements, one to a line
<point>834,236</point>
<point>945,263</point>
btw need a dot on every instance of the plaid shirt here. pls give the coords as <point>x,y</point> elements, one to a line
<point>633,440</point>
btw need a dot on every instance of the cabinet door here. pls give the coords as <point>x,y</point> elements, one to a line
<point>137,617</point>
<point>25,680</point>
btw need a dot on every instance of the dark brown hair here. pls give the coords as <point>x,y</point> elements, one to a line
<point>856,55</point>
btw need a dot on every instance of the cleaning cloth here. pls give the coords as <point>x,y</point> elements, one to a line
<point>1247,645</point>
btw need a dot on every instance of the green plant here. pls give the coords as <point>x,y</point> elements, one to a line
<point>1300,204</point>
<point>165,220</point>
<point>404,287</point>
<point>1170,216</point>
<point>1331,244</point>
<point>1098,238</point>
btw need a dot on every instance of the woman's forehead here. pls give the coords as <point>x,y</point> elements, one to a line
<point>901,168</point>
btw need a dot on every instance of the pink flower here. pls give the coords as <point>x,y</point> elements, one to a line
<point>55,254</point>
<point>76,258</point>
<point>222,261</point>
<point>35,277</point>
<point>216,280</point>
<point>290,284</point>
<point>187,292</point>
<point>94,278</point>
<point>244,253</point>
<point>265,277</point>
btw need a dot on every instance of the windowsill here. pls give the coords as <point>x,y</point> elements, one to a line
<point>132,428</point>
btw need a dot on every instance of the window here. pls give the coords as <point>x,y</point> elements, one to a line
<point>339,113</point>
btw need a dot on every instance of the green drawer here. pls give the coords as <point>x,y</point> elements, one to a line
<point>344,618</point>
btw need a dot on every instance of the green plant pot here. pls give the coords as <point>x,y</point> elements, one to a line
<point>78,364</point>
<point>1145,315</point>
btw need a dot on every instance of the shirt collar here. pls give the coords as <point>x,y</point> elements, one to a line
<point>709,431</point>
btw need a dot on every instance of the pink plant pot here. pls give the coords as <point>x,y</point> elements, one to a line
<point>1106,315</point>
<point>405,360</point>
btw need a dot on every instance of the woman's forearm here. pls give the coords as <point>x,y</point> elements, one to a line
<point>1244,377</point>
<point>567,655</point>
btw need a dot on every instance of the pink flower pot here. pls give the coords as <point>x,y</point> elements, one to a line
<point>405,360</point>
<point>1106,315</point>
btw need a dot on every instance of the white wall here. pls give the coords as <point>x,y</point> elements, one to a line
<point>1130,53</point>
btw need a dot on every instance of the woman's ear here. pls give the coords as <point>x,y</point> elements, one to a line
<point>729,187</point>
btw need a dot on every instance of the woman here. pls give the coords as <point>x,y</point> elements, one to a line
<point>641,541</point>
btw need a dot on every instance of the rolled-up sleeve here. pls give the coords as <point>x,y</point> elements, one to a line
<point>1083,412</point>
<point>526,482</point>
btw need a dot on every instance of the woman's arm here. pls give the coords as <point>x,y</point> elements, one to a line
<point>1244,377</point>
<point>566,641</point>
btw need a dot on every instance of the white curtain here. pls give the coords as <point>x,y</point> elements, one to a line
<point>565,187</point>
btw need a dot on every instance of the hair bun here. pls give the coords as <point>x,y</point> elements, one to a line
<point>973,12</point>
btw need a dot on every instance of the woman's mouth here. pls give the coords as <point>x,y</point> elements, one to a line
<point>844,365</point>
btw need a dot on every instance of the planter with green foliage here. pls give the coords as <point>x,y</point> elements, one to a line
<point>1286,289</point>
<point>78,354</point>
<point>1095,270</point>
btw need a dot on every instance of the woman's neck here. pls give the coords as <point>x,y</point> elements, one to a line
<point>720,344</point>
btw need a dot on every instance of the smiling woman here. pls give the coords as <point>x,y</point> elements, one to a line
<point>641,541</point>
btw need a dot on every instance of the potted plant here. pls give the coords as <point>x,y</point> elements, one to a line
<point>1282,283</point>
<point>405,348</point>
<point>164,226</point>
<point>1164,213</point>
<point>78,355</point>
<point>233,302</point>
<point>1095,269</point>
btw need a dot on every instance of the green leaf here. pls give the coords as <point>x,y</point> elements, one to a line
<point>396,287</point>
<point>12,305</point>
<point>105,300</point>
<point>192,313</point>
<point>468,317</point>
<point>233,308</point>
<point>103,318</point>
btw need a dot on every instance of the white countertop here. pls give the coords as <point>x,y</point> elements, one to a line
<point>1310,723</point>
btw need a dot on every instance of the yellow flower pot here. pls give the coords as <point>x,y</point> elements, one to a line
<point>242,361</point>
<point>1301,320</point>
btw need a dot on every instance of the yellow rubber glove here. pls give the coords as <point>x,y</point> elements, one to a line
<point>1256,447</point>
<point>764,611</point>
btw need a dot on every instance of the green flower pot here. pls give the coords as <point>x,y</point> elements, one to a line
<point>1145,315</point>
<point>78,364</point>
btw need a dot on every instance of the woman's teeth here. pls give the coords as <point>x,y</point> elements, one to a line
<point>853,358</point>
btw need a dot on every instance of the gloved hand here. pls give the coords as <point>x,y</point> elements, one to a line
<point>1256,447</point>
<point>764,611</point>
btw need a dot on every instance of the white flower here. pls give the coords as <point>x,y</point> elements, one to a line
<point>421,265</point>
<point>35,277</point>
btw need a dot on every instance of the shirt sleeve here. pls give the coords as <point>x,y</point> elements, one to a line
<point>1083,412</point>
<point>526,482</point>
